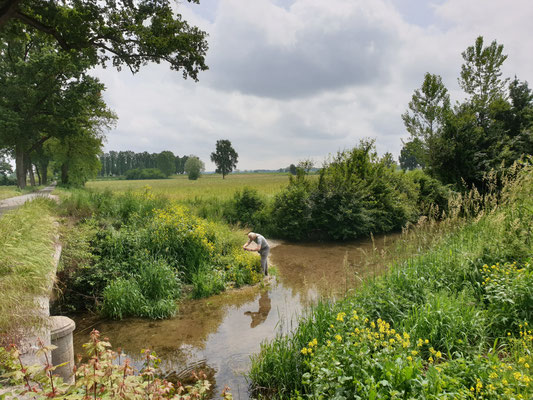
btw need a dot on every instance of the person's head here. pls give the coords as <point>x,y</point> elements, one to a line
<point>252,235</point>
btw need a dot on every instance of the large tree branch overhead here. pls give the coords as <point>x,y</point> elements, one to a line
<point>130,33</point>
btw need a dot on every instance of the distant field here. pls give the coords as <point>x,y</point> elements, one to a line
<point>8,191</point>
<point>208,186</point>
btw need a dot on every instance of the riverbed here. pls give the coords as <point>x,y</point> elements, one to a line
<point>218,334</point>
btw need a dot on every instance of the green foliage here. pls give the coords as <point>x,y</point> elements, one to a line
<point>207,282</point>
<point>166,163</point>
<point>145,173</point>
<point>450,321</point>
<point>433,196</point>
<point>225,157</point>
<point>412,155</point>
<point>120,33</point>
<point>491,129</point>
<point>357,194</point>
<point>439,324</point>
<point>194,167</point>
<point>508,292</point>
<point>245,207</point>
<point>150,292</point>
<point>142,246</point>
<point>291,211</point>
<point>46,95</point>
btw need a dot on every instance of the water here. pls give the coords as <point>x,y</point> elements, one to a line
<point>218,334</point>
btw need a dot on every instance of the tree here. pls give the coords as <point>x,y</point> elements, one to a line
<point>411,155</point>
<point>426,114</point>
<point>126,33</point>
<point>165,162</point>
<point>194,167</point>
<point>44,94</point>
<point>481,76</point>
<point>292,169</point>
<point>225,157</point>
<point>76,157</point>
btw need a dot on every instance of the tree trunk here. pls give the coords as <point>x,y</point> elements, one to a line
<point>30,170</point>
<point>44,172</point>
<point>64,173</point>
<point>38,175</point>
<point>20,167</point>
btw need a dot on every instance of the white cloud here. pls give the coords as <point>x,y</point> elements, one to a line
<point>291,79</point>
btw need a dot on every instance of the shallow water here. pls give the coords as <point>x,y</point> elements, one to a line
<point>219,334</point>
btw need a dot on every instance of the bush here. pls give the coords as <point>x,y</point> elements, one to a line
<point>146,173</point>
<point>357,194</point>
<point>150,292</point>
<point>245,207</point>
<point>432,199</point>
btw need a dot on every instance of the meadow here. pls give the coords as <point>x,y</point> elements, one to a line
<point>209,186</point>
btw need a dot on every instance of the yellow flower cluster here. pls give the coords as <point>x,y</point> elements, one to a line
<point>177,221</point>
<point>309,350</point>
<point>497,273</point>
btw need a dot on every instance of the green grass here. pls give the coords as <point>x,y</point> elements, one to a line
<point>210,186</point>
<point>27,243</point>
<point>8,191</point>
<point>460,308</point>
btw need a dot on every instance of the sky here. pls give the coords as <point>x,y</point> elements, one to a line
<point>290,80</point>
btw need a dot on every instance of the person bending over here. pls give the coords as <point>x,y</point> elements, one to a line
<point>260,245</point>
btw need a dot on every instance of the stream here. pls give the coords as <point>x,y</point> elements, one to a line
<point>218,334</point>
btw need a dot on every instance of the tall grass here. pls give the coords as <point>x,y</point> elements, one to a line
<point>467,289</point>
<point>26,263</point>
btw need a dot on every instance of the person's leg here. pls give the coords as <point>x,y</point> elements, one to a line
<point>264,262</point>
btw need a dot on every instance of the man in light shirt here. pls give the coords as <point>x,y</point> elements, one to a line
<point>260,245</point>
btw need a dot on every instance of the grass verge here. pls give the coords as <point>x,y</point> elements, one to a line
<point>451,322</point>
<point>27,243</point>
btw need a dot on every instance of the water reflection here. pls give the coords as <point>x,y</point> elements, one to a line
<point>259,316</point>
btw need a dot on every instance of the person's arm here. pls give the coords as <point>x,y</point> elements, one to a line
<point>245,246</point>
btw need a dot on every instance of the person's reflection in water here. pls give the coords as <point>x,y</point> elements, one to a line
<point>259,316</point>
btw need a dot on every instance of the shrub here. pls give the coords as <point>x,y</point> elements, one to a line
<point>145,173</point>
<point>245,206</point>
<point>432,199</point>
<point>357,194</point>
<point>150,292</point>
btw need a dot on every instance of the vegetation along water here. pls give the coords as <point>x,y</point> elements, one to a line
<point>412,282</point>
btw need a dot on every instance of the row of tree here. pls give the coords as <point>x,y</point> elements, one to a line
<point>118,163</point>
<point>491,128</point>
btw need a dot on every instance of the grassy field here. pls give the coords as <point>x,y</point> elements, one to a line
<point>208,186</point>
<point>8,191</point>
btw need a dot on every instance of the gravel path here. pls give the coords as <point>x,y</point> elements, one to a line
<point>14,202</point>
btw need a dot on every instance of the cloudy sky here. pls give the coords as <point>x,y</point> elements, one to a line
<point>297,79</point>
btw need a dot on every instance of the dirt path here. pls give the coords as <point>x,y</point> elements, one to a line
<point>14,202</point>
